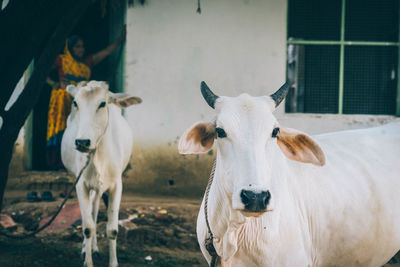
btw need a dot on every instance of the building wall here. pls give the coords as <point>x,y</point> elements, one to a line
<point>236,46</point>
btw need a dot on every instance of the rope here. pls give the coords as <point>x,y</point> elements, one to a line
<point>209,241</point>
<point>59,208</point>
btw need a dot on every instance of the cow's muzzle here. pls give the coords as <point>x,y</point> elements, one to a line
<point>82,145</point>
<point>255,202</point>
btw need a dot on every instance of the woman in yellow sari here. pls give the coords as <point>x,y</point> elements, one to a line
<point>72,67</point>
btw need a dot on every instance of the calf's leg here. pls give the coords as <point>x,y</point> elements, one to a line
<point>88,225</point>
<point>95,198</point>
<point>112,224</point>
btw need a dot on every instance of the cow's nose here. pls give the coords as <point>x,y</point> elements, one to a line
<point>255,202</point>
<point>82,144</point>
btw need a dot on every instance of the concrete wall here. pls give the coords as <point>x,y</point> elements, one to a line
<point>235,46</point>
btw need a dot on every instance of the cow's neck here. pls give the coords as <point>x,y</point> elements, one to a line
<point>103,145</point>
<point>218,202</point>
<point>266,228</point>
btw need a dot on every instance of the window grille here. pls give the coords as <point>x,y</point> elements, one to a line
<point>343,56</point>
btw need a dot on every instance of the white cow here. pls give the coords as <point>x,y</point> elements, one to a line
<point>277,201</point>
<point>96,126</point>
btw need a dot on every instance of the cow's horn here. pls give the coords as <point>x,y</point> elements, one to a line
<point>279,95</point>
<point>208,95</point>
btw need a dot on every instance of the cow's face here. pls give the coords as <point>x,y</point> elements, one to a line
<point>248,137</point>
<point>90,111</point>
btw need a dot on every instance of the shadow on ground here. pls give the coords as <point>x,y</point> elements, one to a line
<point>163,229</point>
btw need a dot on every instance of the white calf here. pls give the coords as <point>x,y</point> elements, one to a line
<point>268,207</point>
<point>96,126</point>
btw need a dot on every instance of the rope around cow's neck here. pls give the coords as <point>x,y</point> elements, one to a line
<point>209,242</point>
<point>105,129</point>
<point>89,155</point>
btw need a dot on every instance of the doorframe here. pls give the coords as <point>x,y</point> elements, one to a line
<point>117,77</point>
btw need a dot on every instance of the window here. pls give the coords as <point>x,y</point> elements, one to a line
<point>343,56</point>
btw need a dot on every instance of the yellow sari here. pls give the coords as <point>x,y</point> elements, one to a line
<point>60,100</point>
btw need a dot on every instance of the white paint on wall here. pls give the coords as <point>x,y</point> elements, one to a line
<point>235,46</point>
<point>325,123</point>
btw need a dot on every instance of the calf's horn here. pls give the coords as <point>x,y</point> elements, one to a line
<point>279,95</point>
<point>208,95</point>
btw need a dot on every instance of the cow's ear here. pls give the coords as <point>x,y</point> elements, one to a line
<point>72,89</point>
<point>124,100</point>
<point>299,146</point>
<point>197,139</point>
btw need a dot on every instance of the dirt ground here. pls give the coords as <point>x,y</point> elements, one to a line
<point>153,231</point>
<point>162,228</point>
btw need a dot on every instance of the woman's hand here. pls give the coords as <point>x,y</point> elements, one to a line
<point>100,56</point>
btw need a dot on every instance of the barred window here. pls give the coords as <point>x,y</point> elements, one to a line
<point>343,56</point>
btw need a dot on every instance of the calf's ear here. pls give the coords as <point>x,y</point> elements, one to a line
<point>299,146</point>
<point>72,89</point>
<point>123,100</point>
<point>82,84</point>
<point>197,139</point>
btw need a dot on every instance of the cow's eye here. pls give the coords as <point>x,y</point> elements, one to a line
<point>220,133</point>
<point>75,104</point>
<point>275,132</point>
<point>102,105</point>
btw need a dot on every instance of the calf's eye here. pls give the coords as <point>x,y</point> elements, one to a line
<point>220,133</point>
<point>102,105</point>
<point>75,104</point>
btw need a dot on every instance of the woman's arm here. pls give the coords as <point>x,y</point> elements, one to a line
<point>56,66</point>
<point>99,56</point>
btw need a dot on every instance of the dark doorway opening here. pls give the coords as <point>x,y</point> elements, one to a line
<point>99,27</point>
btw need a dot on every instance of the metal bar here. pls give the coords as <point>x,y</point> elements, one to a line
<point>361,43</point>
<point>341,67</point>
<point>371,43</point>
<point>398,85</point>
<point>27,158</point>
<point>123,54</point>
<point>125,7</point>
<point>398,76</point>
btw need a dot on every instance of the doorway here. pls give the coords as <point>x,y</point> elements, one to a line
<point>99,27</point>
